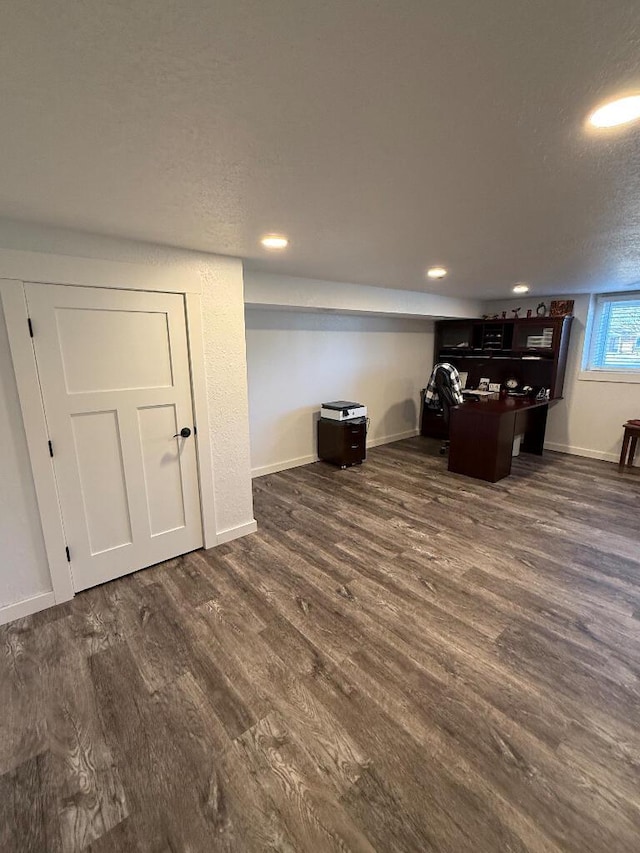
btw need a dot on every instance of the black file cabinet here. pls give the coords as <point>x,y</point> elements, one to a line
<point>342,443</point>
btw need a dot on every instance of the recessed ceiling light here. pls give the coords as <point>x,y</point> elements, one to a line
<point>521,288</point>
<point>620,111</point>
<point>274,241</point>
<point>436,272</point>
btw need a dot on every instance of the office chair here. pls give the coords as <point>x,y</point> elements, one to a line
<point>447,401</point>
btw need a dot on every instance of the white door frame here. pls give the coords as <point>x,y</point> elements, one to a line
<point>51,269</point>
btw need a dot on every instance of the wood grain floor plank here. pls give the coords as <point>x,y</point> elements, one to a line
<point>165,809</point>
<point>400,659</point>
<point>504,758</point>
<point>144,617</point>
<point>332,752</point>
<point>84,779</point>
<point>612,642</point>
<point>408,775</point>
<point>28,654</point>
<point>313,817</point>
<point>303,605</point>
<point>28,810</point>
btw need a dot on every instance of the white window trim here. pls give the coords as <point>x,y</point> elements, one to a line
<point>599,374</point>
<point>596,375</point>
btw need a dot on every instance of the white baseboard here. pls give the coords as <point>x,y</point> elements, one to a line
<point>236,532</point>
<point>283,466</point>
<point>581,451</point>
<point>307,460</point>
<point>26,607</point>
<point>389,439</point>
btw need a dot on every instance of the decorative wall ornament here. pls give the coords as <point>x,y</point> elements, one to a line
<point>561,308</point>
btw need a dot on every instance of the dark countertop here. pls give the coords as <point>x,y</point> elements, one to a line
<point>495,405</point>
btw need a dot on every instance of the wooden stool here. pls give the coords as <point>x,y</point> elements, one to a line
<point>629,442</point>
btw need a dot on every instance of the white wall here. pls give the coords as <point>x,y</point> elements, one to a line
<point>298,360</point>
<point>281,291</point>
<point>588,421</point>
<point>226,372</point>
<point>23,568</point>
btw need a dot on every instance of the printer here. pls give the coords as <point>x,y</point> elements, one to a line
<point>343,410</point>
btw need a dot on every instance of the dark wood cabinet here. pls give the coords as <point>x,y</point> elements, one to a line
<point>482,433</point>
<point>342,443</point>
<point>531,350</point>
<point>432,423</point>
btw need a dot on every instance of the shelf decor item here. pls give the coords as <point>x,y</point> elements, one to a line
<point>541,310</point>
<point>562,308</point>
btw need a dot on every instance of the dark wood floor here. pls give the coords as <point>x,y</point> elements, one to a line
<point>400,659</point>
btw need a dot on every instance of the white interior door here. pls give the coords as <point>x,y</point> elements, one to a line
<point>114,372</point>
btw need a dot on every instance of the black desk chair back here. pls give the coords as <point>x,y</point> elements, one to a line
<point>447,401</point>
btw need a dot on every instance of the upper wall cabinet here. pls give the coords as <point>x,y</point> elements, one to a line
<point>533,351</point>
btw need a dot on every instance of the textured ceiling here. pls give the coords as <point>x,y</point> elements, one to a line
<point>381,135</point>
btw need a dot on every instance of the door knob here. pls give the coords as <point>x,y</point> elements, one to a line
<point>185,432</point>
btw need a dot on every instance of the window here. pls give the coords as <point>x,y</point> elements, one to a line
<point>614,343</point>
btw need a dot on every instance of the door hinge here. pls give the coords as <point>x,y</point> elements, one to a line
<point>30,327</point>
<point>50,449</point>
<point>68,554</point>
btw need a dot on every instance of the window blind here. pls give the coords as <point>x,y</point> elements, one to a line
<point>615,341</point>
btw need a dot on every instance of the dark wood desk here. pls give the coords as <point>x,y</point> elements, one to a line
<point>481,433</point>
